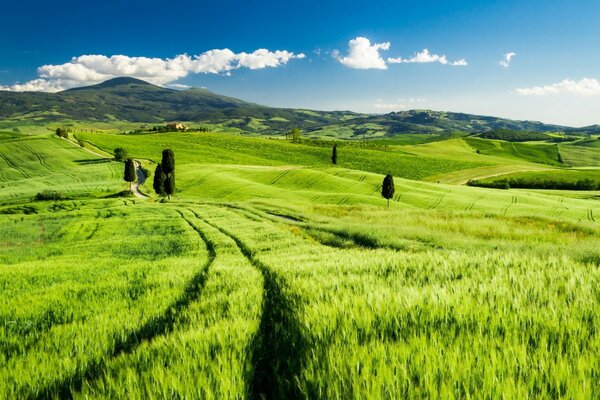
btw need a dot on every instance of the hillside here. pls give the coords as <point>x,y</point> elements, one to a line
<point>269,260</point>
<point>133,100</point>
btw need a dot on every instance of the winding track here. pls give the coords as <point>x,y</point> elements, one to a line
<point>280,347</point>
<point>135,188</point>
<point>163,324</point>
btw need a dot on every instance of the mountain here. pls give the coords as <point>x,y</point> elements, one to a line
<point>134,100</point>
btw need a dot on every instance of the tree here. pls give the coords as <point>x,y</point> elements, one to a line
<point>120,154</point>
<point>387,188</point>
<point>168,161</point>
<point>159,180</point>
<point>170,184</point>
<point>296,133</point>
<point>129,175</point>
<point>334,155</point>
<point>61,132</point>
<point>168,168</point>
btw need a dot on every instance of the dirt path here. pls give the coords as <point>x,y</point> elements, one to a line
<point>141,178</point>
<point>85,148</point>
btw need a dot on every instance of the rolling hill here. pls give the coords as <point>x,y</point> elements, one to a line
<point>272,273</point>
<point>133,100</point>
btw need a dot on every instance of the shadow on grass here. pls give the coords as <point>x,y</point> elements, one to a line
<point>160,325</point>
<point>94,161</point>
<point>280,348</point>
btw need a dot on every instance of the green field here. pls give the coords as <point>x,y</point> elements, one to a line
<point>273,274</point>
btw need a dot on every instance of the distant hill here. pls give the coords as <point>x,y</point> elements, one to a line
<point>134,100</point>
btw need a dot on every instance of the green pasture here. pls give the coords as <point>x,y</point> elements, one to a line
<point>274,274</point>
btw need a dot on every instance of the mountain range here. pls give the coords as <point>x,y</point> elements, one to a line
<point>134,100</point>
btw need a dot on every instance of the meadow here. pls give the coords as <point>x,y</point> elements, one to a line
<point>273,274</point>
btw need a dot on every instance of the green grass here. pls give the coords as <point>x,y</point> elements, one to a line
<point>274,274</point>
<point>542,153</point>
<point>207,148</point>
<point>580,156</point>
<point>34,164</point>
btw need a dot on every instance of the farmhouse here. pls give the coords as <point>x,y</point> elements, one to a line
<point>176,126</point>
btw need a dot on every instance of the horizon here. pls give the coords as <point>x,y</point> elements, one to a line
<point>324,110</point>
<point>483,58</point>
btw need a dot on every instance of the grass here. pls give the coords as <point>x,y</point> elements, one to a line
<point>542,153</point>
<point>273,274</point>
<point>580,156</point>
<point>34,164</point>
<point>207,148</point>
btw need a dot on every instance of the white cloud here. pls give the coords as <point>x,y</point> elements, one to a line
<point>505,62</point>
<point>91,69</point>
<point>585,86</point>
<point>426,57</point>
<point>362,54</point>
<point>460,63</point>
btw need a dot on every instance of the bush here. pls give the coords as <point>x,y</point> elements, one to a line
<point>120,154</point>
<point>49,195</point>
<point>123,193</point>
<point>537,183</point>
<point>61,132</point>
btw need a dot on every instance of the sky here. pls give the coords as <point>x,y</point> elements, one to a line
<point>533,60</point>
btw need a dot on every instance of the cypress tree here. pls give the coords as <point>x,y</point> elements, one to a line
<point>168,168</point>
<point>387,188</point>
<point>170,184</point>
<point>159,180</point>
<point>129,174</point>
<point>168,161</point>
<point>334,155</point>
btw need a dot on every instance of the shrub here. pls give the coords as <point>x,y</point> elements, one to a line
<point>120,154</point>
<point>49,195</point>
<point>61,132</point>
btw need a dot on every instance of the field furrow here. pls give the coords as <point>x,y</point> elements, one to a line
<point>279,347</point>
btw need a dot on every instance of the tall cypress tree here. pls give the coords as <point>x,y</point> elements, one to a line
<point>168,161</point>
<point>129,174</point>
<point>387,188</point>
<point>170,184</point>
<point>334,155</point>
<point>159,180</point>
<point>168,168</point>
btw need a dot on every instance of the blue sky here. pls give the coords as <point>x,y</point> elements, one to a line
<point>363,56</point>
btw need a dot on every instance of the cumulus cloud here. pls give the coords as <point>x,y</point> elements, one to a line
<point>505,62</point>
<point>425,56</point>
<point>91,69</point>
<point>363,55</point>
<point>585,86</point>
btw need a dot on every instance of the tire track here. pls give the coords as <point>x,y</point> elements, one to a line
<point>159,325</point>
<point>438,201</point>
<point>280,176</point>
<point>13,166</point>
<point>280,347</point>
<point>590,215</point>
